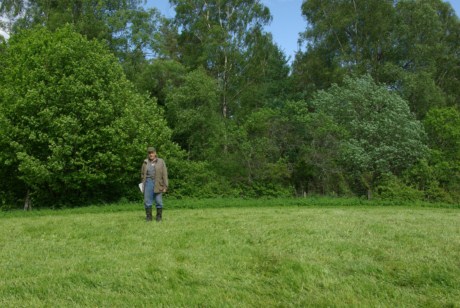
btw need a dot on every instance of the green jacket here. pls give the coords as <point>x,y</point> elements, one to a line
<point>161,175</point>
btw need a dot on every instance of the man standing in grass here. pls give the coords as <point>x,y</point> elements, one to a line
<point>154,182</point>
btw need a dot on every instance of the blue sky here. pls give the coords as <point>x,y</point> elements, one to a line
<point>286,24</point>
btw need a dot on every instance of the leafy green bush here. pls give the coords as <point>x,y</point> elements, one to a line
<point>396,189</point>
<point>432,177</point>
<point>392,188</point>
<point>196,179</point>
<point>73,129</point>
<point>383,135</point>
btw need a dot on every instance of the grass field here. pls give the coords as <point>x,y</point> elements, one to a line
<point>232,257</point>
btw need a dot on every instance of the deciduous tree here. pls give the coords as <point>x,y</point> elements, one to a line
<point>72,128</point>
<point>382,134</point>
<point>215,35</point>
<point>131,31</point>
<point>409,45</point>
<point>192,110</point>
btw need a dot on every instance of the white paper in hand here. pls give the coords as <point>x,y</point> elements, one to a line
<point>141,187</point>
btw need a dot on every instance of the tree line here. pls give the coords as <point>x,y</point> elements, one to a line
<point>368,107</point>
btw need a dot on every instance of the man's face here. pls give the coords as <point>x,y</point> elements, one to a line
<point>152,155</point>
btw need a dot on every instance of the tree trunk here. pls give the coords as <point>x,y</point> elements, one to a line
<point>28,202</point>
<point>368,180</point>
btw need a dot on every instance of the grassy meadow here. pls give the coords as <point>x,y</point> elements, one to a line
<point>252,256</point>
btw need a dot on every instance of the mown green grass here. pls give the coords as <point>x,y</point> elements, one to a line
<point>232,257</point>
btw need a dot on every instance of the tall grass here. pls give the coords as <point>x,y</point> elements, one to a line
<point>245,257</point>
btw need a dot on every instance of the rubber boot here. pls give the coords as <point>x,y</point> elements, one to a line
<point>148,214</point>
<point>159,214</point>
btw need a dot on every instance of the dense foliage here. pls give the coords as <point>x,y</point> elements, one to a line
<point>369,106</point>
<point>73,128</point>
<point>382,136</point>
